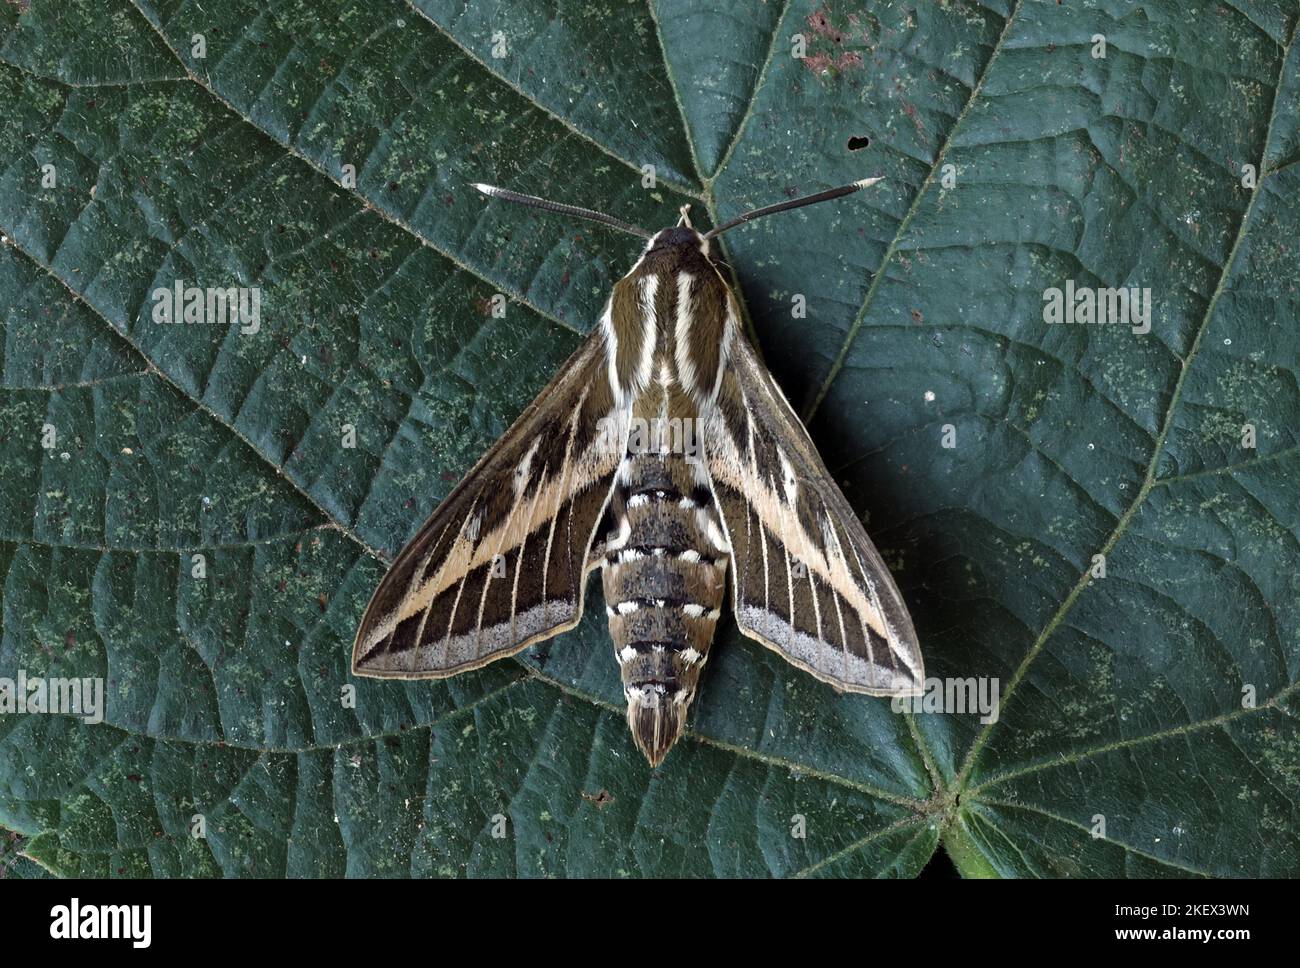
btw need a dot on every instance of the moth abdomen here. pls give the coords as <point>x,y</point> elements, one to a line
<point>664,583</point>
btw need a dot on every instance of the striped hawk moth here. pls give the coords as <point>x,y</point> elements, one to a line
<point>665,454</point>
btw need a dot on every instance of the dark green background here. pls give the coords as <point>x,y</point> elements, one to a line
<point>1121,696</point>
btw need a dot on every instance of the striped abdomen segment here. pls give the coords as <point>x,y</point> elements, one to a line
<point>666,560</point>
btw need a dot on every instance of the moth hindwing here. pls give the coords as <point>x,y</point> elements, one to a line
<point>665,454</point>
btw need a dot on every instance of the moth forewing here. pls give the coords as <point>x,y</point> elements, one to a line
<point>502,561</point>
<point>501,564</point>
<point>806,580</point>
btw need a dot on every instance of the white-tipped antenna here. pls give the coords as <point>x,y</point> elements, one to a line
<point>825,196</point>
<point>560,208</point>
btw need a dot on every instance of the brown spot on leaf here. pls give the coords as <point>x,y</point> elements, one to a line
<point>826,37</point>
<point>817,63</point>
<point>820,22</point>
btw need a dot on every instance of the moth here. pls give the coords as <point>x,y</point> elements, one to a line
<point>665,454</point>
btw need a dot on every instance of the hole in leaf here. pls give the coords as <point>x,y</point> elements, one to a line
<point>858,142</point>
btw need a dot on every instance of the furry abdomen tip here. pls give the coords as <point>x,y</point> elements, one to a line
<point>655,719</point>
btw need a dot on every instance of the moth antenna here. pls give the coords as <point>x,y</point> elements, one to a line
<point>560,208</point>
<point>825,196</point>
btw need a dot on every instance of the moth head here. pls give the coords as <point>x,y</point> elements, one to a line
<point>677,237</point>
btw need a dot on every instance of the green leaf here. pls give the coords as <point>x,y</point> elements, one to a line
<point>1014,160</point>
<point>14,864</point>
